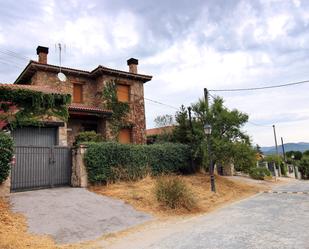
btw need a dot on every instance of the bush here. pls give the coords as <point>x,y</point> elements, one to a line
<point>304,167</point>
<point>87,136</point>
<point>109,162</point>
<point>259,173</point>
<point>6,154</point>
<point>168,158</point>
<point>173,193</point>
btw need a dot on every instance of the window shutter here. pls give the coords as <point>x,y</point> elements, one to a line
<point>123,93</point>
<point>77,93</point>
<point>125,136</point>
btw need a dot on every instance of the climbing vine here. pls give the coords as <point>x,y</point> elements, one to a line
<point>22,107</point>
<point>119,109</point>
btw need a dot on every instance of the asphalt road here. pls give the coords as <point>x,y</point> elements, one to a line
<point>265,221</point>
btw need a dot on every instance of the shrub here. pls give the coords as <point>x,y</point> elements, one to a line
<point>87,136</point>
<point>109,161</point>
<point>173,193</point>
<point>168,158</point>
<point>259,173</point>
<point>6,154</point>
<point>304,167</point>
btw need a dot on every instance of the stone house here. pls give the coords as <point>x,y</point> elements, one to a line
<point>85,87</point>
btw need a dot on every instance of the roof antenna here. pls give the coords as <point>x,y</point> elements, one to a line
<point>61,76</point>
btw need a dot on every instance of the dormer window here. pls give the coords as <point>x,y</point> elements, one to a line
<point>123,93</point>
<point>77,93</point>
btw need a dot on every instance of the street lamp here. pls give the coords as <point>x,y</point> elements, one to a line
<point>207,131</point>
<point>294,167</point>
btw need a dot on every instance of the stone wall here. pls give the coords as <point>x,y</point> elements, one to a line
<point>92,93</point>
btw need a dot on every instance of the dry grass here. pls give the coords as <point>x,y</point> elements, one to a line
<point>14,235</point>
<point>13,231</point>
<point>141,194</point>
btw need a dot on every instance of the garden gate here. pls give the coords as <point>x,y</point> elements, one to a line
<point>40,163</point>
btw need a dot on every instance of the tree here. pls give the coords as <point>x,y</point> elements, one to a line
<point>306,153</point>
<point>164,120</point>
<point>227,138</point>
<point>304,167</point>
<point>297,154</point>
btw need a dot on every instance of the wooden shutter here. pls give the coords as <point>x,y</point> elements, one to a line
<point>125,136</point>
<point>77,93</point>
<point>123,93</point>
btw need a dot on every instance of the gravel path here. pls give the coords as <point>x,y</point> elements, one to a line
<point>265,221</point>
<point>74,214</point>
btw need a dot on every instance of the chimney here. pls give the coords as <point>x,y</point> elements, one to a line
<point>42,53</point>
<point>132,63</point>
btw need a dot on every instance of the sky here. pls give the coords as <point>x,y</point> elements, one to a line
<point>185,45</point>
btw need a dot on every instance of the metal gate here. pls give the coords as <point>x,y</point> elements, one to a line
<point>41,167</point>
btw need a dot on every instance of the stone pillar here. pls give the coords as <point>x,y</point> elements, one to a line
<point>79,172</point>
<point>63,135</point>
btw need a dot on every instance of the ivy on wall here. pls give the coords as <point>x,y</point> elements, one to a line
<point>22,107</point>
<point>119,109</point>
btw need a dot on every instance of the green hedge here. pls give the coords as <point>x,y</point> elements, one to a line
<point>6,154</point>
<point>109,162</point>
<point>259,173</point>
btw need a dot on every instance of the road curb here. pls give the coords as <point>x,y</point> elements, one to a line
<point>286,192</point>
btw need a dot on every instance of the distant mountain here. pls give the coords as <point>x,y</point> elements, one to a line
<point>288,147</point>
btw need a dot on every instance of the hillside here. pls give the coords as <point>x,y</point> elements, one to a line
<point>302,146</point>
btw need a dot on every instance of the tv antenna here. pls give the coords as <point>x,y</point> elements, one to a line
<point>61,76</point>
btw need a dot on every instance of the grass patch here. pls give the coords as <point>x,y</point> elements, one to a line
<point>173,192</point>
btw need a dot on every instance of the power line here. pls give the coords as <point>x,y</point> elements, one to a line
<point>250,122</point>
<point>152,100</point>
<point>260,88</point>
<point>160,103</point>
<point>13,54</point>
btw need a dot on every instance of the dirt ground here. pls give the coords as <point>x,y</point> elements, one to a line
<point>141,196</point>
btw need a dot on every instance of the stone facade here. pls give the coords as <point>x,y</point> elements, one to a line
<point>92,86</point>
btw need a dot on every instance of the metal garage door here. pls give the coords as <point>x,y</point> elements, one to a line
<point>39,162</point>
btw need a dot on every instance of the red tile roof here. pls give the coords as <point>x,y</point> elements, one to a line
<point>34,66</point>
<point>85,108</point>
<point>158,131</point>
<point>42,89</point>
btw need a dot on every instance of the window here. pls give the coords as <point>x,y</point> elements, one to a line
<point>77,93</point>
<point>125,136</point>
<point>123,93</point>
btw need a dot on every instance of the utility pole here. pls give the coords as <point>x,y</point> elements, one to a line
<point>278,161</point>
<point>283,150</point>
<point>211,166</point>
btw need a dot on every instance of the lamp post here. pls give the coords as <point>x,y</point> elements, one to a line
<point>207,131</point>
<point>293,162</point>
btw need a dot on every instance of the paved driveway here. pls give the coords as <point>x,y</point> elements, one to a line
<point>74,214</point>
<point>265,221</point>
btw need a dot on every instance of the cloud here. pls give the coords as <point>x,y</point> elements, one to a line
<point>185,45</point>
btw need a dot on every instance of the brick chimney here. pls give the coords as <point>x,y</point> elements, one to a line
<point>42,53</point>
<point>132,63</point>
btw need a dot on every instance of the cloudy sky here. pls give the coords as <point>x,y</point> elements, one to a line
<point>185,45</point>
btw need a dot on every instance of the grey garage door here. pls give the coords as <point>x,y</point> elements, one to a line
<point>40,163</point>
